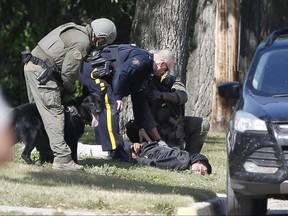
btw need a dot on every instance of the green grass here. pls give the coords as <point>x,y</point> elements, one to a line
<point>111,186</point>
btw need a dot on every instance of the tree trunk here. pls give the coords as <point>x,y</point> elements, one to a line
<point>213,60</point>
<point>226,51</point>
<point>161,24</point>
<point>200,68</point>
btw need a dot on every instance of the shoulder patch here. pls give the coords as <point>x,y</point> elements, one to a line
<point>77,54</point>
<point>135,61</point>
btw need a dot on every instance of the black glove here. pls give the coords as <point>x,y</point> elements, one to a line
<point>169,81</point>
<point>155,95</point>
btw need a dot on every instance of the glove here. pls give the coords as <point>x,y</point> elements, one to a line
<point>155,95</point>
<point>162,143</point>
<point>119,105</point>
<point>169,81</point>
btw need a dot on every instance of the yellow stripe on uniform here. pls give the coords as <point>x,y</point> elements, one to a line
<point>109,122</point>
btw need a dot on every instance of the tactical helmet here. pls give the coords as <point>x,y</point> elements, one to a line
<point>104,28</point>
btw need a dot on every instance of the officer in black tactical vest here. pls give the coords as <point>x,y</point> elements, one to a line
<point>159,111</point>
<point>118,71</point>
<point>51,69</point>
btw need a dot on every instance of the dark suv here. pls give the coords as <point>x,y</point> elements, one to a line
<point>257,134</point>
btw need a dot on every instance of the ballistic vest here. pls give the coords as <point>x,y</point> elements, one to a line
<point>54,46</point>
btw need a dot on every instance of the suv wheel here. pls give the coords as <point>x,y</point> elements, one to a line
<point>242,205</point>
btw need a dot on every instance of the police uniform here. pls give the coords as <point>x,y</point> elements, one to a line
<point>168,117</point>
<point>64,47</point>
<point>107,132</point>
<point>135,66</point>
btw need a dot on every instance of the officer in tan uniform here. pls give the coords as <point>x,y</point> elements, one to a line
<point>52,67</point>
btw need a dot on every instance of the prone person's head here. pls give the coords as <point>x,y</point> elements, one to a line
<point>200,164</point>
<point>201,168</point>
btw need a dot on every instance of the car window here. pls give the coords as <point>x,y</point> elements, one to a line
<point>271,74</point>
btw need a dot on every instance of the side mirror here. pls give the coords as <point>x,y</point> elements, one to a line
<point>229,90</point>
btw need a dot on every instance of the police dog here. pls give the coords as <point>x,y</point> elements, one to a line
<point>29,127</point>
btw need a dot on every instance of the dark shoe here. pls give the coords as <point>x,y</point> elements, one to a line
<point>68,166</point>
<point>119,154</point>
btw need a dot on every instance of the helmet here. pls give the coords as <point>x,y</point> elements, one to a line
<point>104,28</point>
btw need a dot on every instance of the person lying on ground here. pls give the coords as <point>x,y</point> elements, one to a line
<point>160,155</point>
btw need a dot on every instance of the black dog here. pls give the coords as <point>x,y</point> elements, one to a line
<point>30,130</point>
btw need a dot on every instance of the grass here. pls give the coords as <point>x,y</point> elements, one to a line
<point>111,186</point>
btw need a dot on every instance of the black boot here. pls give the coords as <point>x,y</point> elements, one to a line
<point>119,154</point>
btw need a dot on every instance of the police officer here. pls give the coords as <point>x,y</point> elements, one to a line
<point>131,66</point>
<point>51,69</point>
<point>159,110</point>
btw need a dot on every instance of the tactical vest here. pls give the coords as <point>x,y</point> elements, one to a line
<point>54,46</point>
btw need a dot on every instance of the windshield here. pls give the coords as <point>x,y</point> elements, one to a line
<point>271,74</point>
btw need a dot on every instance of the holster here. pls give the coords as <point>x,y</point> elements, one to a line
<point>46,74</point>
<point>174,129</point>
<point>100,72</point>
<point>48,68</point>
<point>179,124</point>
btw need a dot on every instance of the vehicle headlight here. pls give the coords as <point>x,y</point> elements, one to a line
<point>247,122</point>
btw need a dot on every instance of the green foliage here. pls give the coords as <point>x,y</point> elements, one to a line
<point>24,23</point>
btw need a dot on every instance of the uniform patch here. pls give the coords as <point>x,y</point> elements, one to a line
<point>135,61</point>
<point>77,54</point>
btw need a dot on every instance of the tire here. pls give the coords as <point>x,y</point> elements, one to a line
<point>242,205</point>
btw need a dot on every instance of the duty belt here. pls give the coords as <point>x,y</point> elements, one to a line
<point>38,61</point>
<point>27,56</point>
<point>48,68</point>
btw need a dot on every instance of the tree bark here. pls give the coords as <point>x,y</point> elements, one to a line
<point>200,68</point>
<point>226,51</point>
<point>213,60</point>
<point>162,24</point>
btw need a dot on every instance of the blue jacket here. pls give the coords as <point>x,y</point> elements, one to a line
<point>136,66</point>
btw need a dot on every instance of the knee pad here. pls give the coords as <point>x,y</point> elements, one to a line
<point>205,126</point>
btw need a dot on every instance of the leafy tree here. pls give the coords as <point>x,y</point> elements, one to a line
<point>24,23</point>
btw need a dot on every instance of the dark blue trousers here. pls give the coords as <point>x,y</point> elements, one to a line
<point>107,133</point>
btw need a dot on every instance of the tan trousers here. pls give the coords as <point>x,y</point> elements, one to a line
<point>48,101</point>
